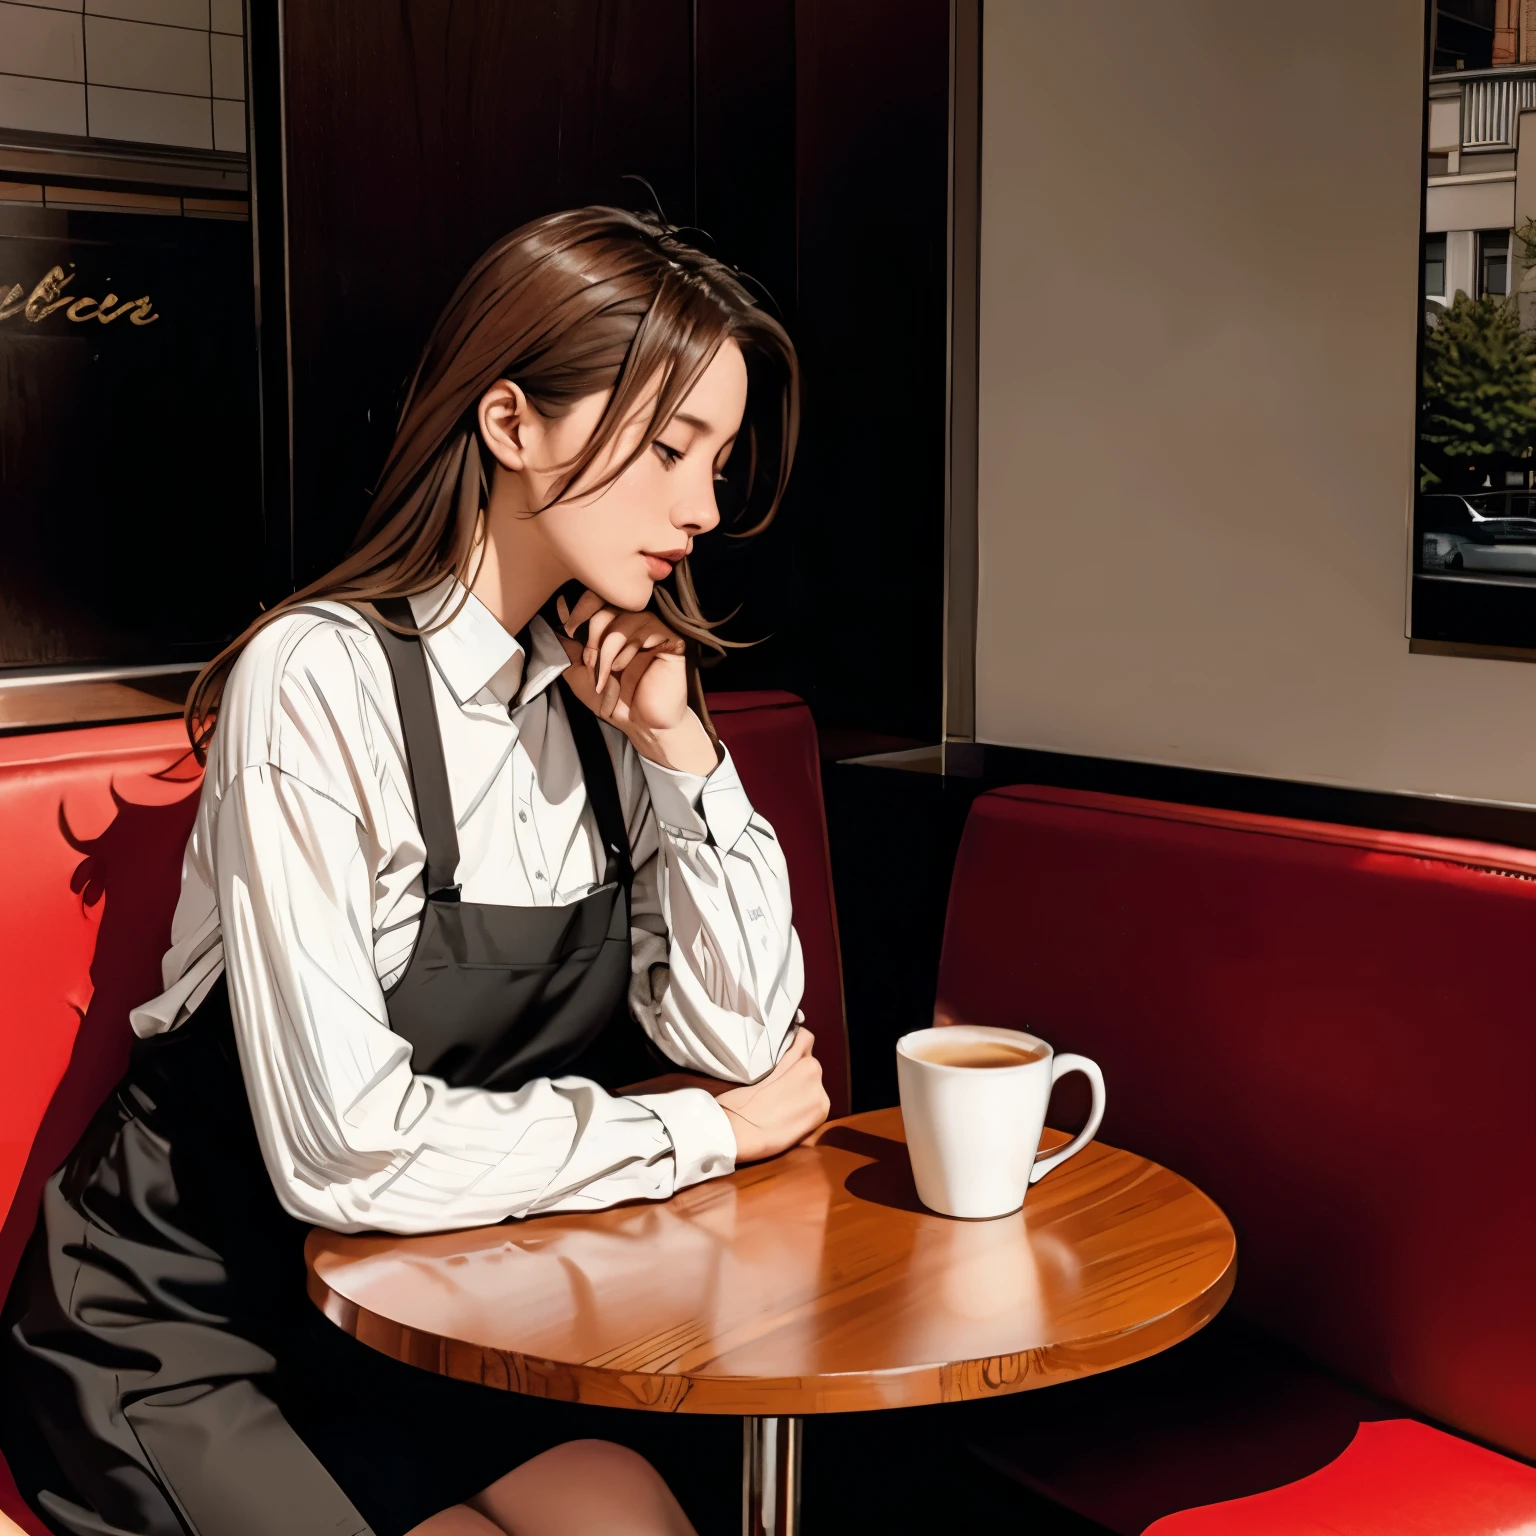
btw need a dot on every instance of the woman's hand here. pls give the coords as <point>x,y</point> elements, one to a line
<point>632,672</point>
<point>784,1108</point>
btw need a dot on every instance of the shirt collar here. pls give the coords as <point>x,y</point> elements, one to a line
<point>475,654</point>
<point>546,659</point>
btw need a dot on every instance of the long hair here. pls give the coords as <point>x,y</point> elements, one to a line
<point>567,306</point>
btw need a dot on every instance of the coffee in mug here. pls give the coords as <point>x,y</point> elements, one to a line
<point>973,1100</point>
<point>977,1053</point>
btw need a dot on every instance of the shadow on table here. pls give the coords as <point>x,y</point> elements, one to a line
<point>887,1178</point>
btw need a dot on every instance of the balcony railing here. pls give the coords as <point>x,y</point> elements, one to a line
<point>1491,103</point>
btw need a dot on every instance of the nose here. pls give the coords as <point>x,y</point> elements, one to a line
<point>696,512</point>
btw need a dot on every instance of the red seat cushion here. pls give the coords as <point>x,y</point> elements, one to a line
<point>1327,1029</point>
<point>94,822</point>
<point>1397,1478</point>
<point>1226,1414</point>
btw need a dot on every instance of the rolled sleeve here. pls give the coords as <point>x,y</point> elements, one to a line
<point>696,806</point>
<point>703,1144</point>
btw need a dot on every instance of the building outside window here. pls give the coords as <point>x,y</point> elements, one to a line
<point>1463,33</point>
<point>1493,263</point>
<point>1474,569</point>
<point>1434,267</point>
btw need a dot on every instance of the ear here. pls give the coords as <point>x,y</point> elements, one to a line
<point>505,417</point>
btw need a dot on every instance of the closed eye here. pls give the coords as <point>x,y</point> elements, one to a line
<point>669,456</point>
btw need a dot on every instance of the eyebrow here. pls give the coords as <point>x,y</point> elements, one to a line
<point>693,421</point>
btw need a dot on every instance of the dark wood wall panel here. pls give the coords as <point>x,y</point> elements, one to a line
<point>745,170</point>
<point>872,94</point>
<point>804,139</point>
<point>418,132</point>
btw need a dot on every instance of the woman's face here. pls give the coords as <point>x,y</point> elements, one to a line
<point>622,539</point>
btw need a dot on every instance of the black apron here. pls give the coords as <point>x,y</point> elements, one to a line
<point>167,1373</point>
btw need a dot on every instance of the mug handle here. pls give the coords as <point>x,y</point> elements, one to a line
<point>1060,1066</point>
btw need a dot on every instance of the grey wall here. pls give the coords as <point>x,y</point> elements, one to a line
<point>1198,316</point>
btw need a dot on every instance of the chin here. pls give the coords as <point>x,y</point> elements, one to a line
<point>633,595</point>
<point>621,586</point>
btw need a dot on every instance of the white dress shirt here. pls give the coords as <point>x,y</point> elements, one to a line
<point>302,883</point>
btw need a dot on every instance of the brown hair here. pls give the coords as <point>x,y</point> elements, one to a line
<point>567,306</point>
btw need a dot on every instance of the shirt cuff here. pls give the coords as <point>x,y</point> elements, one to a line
<point>703,1144</point>
<point>695,805</point>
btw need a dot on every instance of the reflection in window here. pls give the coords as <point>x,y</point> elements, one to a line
<point>1474,554</point>
<point>130,519</point>
<point>131,528</point>
<point>1434,266</point>
<point>1493,263</point>
<point>1462,33</point>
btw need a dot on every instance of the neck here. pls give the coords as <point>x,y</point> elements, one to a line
<point>517,572</point>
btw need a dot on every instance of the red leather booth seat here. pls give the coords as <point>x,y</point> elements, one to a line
<point>772,739</point>
<point>93,823</point>
<point>1329,1030</point>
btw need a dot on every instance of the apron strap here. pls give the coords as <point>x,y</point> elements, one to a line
<point>423,747</point>
<point>602,784</point>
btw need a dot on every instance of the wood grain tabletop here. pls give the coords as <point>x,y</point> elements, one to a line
<point>812,1283</point>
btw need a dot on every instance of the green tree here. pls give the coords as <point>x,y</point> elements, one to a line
<point>1479,398</point>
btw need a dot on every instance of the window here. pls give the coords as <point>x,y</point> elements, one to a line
<point>1434,267</point>
<point>131,529</point>
<point>1493,263</point>
<point>130,526</point>
<point>1474,535</point>
<point>1462,33</point>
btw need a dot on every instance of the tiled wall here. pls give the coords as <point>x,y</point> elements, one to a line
<point>32,194</point>
<point>147,71</point>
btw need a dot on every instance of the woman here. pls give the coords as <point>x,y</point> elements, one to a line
<point>461,828</point>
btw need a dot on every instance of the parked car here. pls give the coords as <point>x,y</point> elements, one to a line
<point>1487,531</point>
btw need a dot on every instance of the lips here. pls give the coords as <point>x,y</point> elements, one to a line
<point>660,565</point>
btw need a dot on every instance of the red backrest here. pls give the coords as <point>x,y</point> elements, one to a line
<point>1328,1029</point>
<point>93,823</point>
<point>772,739</point>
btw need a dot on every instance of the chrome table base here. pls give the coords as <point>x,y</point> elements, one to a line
<point>770,1477</point>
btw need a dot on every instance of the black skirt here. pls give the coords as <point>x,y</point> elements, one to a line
<point>168,1374</point>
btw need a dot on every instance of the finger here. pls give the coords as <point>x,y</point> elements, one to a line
<point>608,699</point>
<point>597,626</point>
<point>586,605</point>
<point>630,677</point>
<point>624,658</point>
<point>577,675</point>
<point>562,610</point>
<point>615,641</point>
<point>659,638</point>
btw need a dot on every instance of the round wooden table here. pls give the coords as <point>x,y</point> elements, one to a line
<point>814,1283</point>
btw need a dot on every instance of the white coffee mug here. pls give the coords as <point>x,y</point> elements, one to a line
<point>973,1132</point>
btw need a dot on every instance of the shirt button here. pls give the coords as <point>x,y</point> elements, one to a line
<point>538,874</point>
<point>522,815</point>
